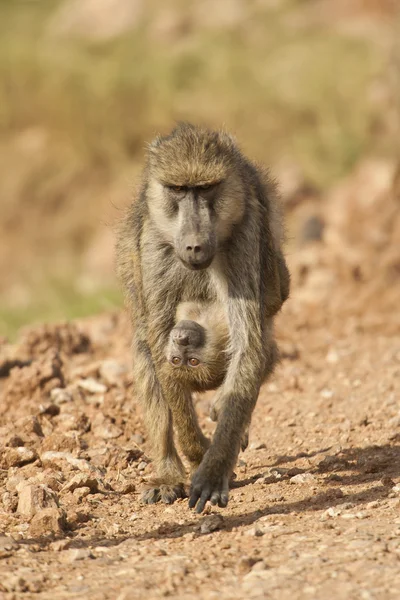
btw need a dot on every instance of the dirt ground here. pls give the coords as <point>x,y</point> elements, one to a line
<point>315,509</point>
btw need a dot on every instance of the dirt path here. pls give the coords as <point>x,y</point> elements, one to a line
<point>315,511</point>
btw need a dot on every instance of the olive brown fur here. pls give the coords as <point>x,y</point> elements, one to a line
<point>205,228</point>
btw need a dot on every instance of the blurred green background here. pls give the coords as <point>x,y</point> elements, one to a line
<point>307,86</point>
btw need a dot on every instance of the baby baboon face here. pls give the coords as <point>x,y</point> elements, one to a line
<point>186,342</point>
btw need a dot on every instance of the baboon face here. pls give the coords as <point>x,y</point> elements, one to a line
<point>195,195</point>
<point>186,342</point>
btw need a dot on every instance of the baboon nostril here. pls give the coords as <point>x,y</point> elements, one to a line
<point>189,248</point>
<point>197,249</point>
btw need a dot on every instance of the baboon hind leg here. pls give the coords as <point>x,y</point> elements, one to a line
<point>168,483</point>
<point>192,441</point>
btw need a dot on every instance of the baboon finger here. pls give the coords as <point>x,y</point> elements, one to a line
<point>203,500</point>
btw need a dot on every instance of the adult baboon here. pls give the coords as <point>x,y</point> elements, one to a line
<point>205,227</point>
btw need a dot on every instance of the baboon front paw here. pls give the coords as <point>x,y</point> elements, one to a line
<point>163,492</point>
<point>205,487</point>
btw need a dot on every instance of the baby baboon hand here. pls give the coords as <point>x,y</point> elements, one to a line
<point>208,484</point>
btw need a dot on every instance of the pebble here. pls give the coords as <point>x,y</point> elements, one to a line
<point>16,457</point>
<point>34,498</point>
<point>75,554</point>
<point>303,478</point>
<point>82,480</point>
<point>256,531</point>
<point>61,395</point>
<point>7,544</point>
<point>49,521</point>
<point>92,386</point>
<point>211,523</point>
<point>112,371</point>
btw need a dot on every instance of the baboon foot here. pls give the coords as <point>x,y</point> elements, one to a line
<point>157,491</point>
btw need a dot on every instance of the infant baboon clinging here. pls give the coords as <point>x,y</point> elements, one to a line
<point>205,228</point>
<point>197,350</point>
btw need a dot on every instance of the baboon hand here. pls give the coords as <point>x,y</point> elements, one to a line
<point>208,484</point>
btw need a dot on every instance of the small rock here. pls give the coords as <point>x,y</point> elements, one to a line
<point>10,502</point>
<point>49,521</point>
<point>112,372</point>
<point>60,459</point>
<point>75,554</point>
<point>16,457</point>
<point>81,480</point>
<point>92,386</point>
<point>260,565</point>
<point>245,564</point>
<point>61,396</point>
<point>81,493</point>
<point>108,431</point>
<point>8,544</point>
<point>332,357</point>
<point>303,478</point>
<point>257,445</point>
<point>142,465</point>
<point>15,441</point>
<point>256,531</point>
<point>34,498</point>
<point>126,487</point>
<point>211,523</point>
<point>326,393</point>
<point>137,438</point>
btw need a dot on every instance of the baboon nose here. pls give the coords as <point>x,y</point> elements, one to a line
<point>182,340</point>
<point>195,249</point>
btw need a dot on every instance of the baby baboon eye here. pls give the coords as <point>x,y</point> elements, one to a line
<point>176,360</point>
<point>194,362</point>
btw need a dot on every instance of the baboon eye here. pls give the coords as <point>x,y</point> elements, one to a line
<point>176,360</point>
<point>177,188</point>
<point>194,362</point>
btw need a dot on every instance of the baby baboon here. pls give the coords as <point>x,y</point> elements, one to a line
<point>205,227</point>
<point>197,350</point>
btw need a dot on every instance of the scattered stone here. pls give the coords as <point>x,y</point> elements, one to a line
<point>10,502</point>
<point>16,457</point>
<point>142,465</point>
<point>34,498</point>
<point>60,459</point>
<point>257,446</point>
<point>82,480</point>
<point>92,386</point>
<point>211,523</point>
<point>126,487</point>
<point>61,396</point>
<point>61,442</point>
<point>112,372</point>
<point>303,478</point>
<point>49,521</point>
<point>75,554</point>
<point>245,564</point>
<point>7,544</point>
<point>256,531</point>
<point>81,493</point>
<point>108,431</point>
<point>326,394</point>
